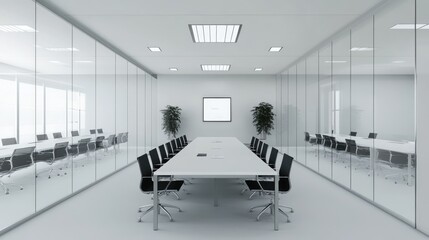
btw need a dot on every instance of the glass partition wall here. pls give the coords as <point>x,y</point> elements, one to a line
<point>74,110</point>
<point>348,109</point>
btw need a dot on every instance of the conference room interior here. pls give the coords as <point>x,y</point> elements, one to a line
<point>61,87</point>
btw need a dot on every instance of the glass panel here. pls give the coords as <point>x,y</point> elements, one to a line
<point>362,102</point>
<point>121,112</point>
<point>312,111</point>
<point>394,110</point>
<point>141,105</point>
<point>17,110</point>
<point>83,109</point>
<point>300,113</point>
<point>285,125</point>
<point>341,108</point>
<point>105,110</point>
<point>132,113</point>
<point>325,106</point>
<point>292,113</point>
<point>53,64</point>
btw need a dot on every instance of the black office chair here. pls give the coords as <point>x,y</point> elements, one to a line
<point>164,187</point>
<point>255,145</point>
<point>252,141</point>
<point>75,133</point>
<point>268,187</point>
<point>21,158</point>
<point>309,139</point>
<point>174,146</point>
<point>179,144</point>
<point>41,137</point>
<point>58,153</point>
<point>125,137</point>
<point>399,164</point>
<point>170,150</point>
<point>353,134</point>
<point>263,154</point>
<point>100,130</point>
<point>8,141</point>
<point>154,157</point>
<point>319,139</point>
<point>164,156</point>
<point>57,135</point>
<point>82,147</point>
<point>118,139</point>
<point>91,131</point>
<point>259,148</point>
<point>372,135</point>
<point>109,142</point>
<point>327,144</point>
<point>186,139</point>
<point>273,158</point>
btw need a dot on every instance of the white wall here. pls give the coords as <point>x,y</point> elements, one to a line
<point>187,92</point>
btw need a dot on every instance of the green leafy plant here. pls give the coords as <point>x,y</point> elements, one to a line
<point>263,118</point>
<point>171,120</point>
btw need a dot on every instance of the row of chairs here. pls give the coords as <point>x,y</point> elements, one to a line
<point>265,184</point>
<point>167,184</point>
<point>25,157</point>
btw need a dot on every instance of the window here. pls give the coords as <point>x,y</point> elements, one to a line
<point>7,108</point>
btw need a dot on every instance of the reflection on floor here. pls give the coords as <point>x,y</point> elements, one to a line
<point>18,204</point>
<point>392,193</point>
<point>109,211</point>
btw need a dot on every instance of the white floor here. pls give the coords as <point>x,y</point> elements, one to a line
<point>109,211</point>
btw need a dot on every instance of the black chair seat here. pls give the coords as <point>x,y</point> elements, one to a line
<point>162,185</point>
<point>253,185</point>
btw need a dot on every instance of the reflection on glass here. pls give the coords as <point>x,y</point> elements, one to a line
<point>394,86</point>
<point>325,110</point>
<point>83,110</point>
<point>105,110</point>
<point>141,112</point>
<point>340,109</point>
<point>121,112</point>
<point>285,125</point>
<point>53,167</point>
<point>300,113</point>
<point>361,105</point>
<point>292,112</point>
<point>132,113</point>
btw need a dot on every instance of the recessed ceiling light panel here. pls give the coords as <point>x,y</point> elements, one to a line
<point>61,49</point>
<point>275,49</point>
<point>258,69</point>
<point>361,49</point>
<point>155,49</point>
<point>174,69</point>
<point>17,28</point>
<point>406,26</point>
<point>215,33</point>
<point>215,67</point>
<point>336,61</point>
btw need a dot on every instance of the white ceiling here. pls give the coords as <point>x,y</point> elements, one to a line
<point>134,25</point>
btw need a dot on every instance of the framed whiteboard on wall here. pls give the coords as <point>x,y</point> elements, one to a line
<point>217,109</point>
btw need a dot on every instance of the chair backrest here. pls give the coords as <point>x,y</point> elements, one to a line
<point>399,158</point>
<point>273,157</point>
<point>125,137</point>
<point>182,140</point>
<point>258,150</point>
<point>173,144</point>
<point>110,140</point>
<point>307,136</point>
<point>284,173</point>
<point>154,157</point>
<point>256,143</point>
<point>22,157</point>
<point>146,183</point>
<point>252,141</point>
<point>372,135</point>
<point>8,141</point>
<point>350,146</point>
<point>164,155</point>
<point>100,130</point>
<point>91,131</point>
<point>60,150</point>
<point>333,142</point>
<point>169,148</point>
<point>74,133</point>
<point>318,135</point>
<point>186,139</point>
<point>41,137</point>
<point>57,135</point>
<point>353,134</point>
<point>119,137</point>
<point>264,150</point>
<point>178,143</point>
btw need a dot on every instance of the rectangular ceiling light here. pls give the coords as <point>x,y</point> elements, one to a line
<point>16,28</point>
<point>215,33</point>
<point>361,49</point>
<point>155,49</point>
<point>215,67</point>
<point>258,69</point>
<point>336,61</point>
<point>63,49</point>
<point>174,69</point>
<point>407,26</point>
<point>275,49</point>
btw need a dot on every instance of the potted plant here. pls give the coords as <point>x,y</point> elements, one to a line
<point>171,120</point>
<point>263,119</point>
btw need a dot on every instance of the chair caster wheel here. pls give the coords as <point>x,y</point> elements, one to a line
<point>291,211</point>
<point>288,221</point>
<point>139,220</point>
<point>139,211</point>
<point>250,211</point>
<point>171,220</point>
<point>49,177</point>
<point>180,210</point>
<point>21,188</point>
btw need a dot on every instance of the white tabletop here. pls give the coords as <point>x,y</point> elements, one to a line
<point>226,157</point>
<point>396,146</point>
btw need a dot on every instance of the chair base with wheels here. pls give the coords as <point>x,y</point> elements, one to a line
<point>271,207</point>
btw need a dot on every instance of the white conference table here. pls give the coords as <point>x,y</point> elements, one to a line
<point>405,147</point>
<point>227,157</point>
<point>7,151</point>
